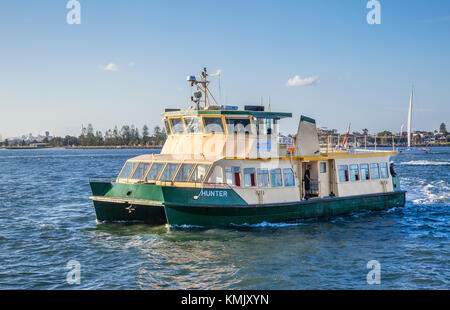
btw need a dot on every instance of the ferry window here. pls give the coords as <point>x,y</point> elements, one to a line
<point>343,173</point>
<point>354,173</point>
<point>184,172</point>
<point>323,167</point>
<point>127,170</point>
<point>263,177</point>
<point>249,177</point>
<point>199,173</point>
<point>140,171</point>
<point>364,171</point>
<point>238,126</point>
<point>154,171</point>
<point>177,125</point>
<point>384,170</point>
<point>216,175</point>
<point>288,175</point>
<point>166,126</point>
<point>374,172</point>
<point>265,126</point>
<point>213,124</point>
<point>168,172</point>
<point>193,124</point>
<point>233,175</point>
<point>275,177</point>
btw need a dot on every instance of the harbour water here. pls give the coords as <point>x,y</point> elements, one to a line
<point>47,219</point>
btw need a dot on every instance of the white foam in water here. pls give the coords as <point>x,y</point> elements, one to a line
<point>424,163</point>
<point>185,226</point>
<point>431,193</point>
<point>267,224</point>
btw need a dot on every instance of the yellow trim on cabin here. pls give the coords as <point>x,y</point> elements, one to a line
<point>185,126</point>
<point>182,122</point>
<point>176,172</point>
<point>224,125</point>
<point>322,157</point>
<point>222,118</point>
<point>135,169</point>
<point>203,125</point>
<point>165,127</point>
<point>148,170</point>
<point>201,117</point>
<point>160,171</point>
<point>192,171</point>
<point>342,155</point>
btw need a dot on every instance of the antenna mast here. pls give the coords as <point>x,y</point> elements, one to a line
<point>202,89</point>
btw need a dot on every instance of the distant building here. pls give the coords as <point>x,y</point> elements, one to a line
<point>38,145</point>
<point>324,131</point>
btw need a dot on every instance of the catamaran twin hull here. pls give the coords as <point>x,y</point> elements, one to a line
<point>180,206</point>
<point>221,166</point>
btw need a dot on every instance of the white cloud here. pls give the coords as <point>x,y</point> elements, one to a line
<point>131,64</point>
<point>110,67</point>
<point>299,81</point>
<point>218,72</point>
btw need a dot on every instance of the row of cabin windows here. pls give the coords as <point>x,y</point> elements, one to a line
<point>261,177</point>
<point>192,124</point>
<point>159,171</point>
<point>363,172</point>
<point>164,172</point>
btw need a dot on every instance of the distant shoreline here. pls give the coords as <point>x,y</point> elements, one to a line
<point>82,147</point>
<point>112,147</point>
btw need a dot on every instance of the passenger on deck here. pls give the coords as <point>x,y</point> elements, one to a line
<point>307,179</point>
<point>391,169</point>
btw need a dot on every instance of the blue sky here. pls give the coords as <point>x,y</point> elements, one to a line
<point>53,77</point>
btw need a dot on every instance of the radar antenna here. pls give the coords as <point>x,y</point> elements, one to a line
<point>201,82</point>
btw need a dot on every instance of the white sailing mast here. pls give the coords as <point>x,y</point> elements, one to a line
<point>410,118</point>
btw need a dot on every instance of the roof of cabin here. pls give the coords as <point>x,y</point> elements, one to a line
<point>173,158</point>
<point>257,114</point>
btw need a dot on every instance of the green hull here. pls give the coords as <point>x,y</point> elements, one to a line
<point>127,209</point>
<point>115,212</point>
<point>181,206</point>
<point>222,216</point>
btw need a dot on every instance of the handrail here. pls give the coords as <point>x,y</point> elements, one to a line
<point>164,183</point>
<point>102,179</point>
<point>195,184</point>
<point>314,185</point>
<point>353,150</point>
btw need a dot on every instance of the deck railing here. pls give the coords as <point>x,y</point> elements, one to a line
<point>164,183</point>
<point>102,179</point>
<point>194,184</point>
<point>313,187</point>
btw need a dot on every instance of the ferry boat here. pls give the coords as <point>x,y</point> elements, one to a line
<point>222,166</point>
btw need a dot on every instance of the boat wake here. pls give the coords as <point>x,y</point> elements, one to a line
<point>268,225</point>
<point>421,192</point>
<point>424,163</point>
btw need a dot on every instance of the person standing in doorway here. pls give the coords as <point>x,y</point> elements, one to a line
<point>307,179</point>
<point>391,169</point>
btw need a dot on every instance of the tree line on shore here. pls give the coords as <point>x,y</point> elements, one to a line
<point>128,135</point>
<point>437,137</point>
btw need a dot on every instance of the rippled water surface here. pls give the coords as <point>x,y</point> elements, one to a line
<point>47,219</point>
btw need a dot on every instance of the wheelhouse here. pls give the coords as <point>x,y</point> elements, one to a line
<point>222,122</point>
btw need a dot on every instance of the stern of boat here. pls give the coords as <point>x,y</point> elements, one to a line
<point>128,202</point>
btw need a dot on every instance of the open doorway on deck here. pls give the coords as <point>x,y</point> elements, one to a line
<point>310,180</point>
